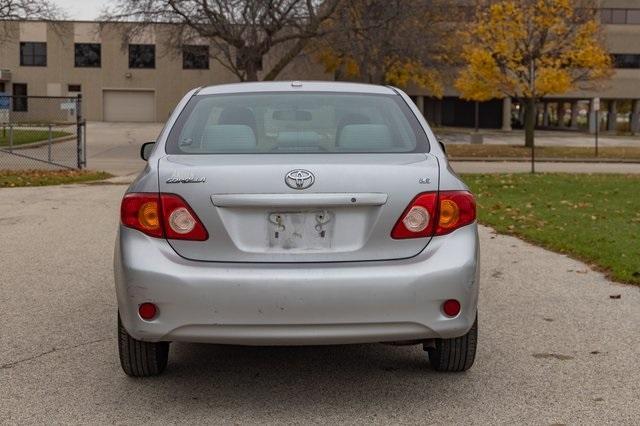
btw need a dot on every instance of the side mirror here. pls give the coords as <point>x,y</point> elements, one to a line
<point>444,148</point>
<point>146,149</point>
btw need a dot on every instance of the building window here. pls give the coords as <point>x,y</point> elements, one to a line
<point>195,57</point>
<point>33,54</point>
<point>633,16</point>
<point>20,100</point>
<point>74,88</point>
<point>88,55</point>
<point>626,61</point>
<point>142,56</point>
<point>620,16</point>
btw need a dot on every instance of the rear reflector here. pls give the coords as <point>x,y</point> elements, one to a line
<point>432,213</point>
<point>162,216</point>
<point>451,307</point>
<point>147,311</point>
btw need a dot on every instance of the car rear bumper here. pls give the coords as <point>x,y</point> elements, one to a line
<point>297,304</point>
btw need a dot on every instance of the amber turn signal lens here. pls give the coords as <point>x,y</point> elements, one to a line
<point>449,214</point>
<point>148,215</point>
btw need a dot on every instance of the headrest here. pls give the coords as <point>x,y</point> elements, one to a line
<point>365,137</point>
<point>228,137</point>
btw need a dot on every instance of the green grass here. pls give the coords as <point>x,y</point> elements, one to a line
<point>518,151</point>
<point>21,137</point>
<point>16,178</point>
<point>594,218</point>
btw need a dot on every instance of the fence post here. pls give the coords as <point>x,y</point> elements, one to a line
<point>10,137</point>
<point>49,146</point>
<point>80,148</point>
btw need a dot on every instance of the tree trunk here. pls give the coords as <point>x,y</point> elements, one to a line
<point>530,116</point>
<point>251,71</point>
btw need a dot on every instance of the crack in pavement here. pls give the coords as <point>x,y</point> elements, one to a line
<point>50,351</point>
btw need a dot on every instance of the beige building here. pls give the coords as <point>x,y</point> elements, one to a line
<point>619,98</point>
<point>143,80</point>
<point>140,81</point>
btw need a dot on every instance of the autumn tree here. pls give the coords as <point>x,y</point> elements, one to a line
<point>241,33</point>
<point>527,49</point>
<point>389,42</point>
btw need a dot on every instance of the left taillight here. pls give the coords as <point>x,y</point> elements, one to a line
<point>162,215</point>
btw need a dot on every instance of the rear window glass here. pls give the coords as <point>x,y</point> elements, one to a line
<point>310,122</point>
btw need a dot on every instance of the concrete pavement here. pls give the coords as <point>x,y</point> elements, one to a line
<point>554,347</point>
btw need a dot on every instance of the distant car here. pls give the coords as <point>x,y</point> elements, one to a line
<point>296,213</point>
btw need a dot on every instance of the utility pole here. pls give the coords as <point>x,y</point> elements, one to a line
<point>596,109</point>
<point>532,84</point>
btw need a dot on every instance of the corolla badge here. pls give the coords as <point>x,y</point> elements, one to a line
<point>299,179</point>
<point>185,177</point>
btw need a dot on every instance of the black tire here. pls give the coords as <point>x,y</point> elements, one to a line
<point>138,358</point>
<point>455,354</point>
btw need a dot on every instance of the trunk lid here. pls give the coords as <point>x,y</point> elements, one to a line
<point>252,215</point>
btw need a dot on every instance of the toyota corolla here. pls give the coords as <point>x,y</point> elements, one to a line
<point>296,213</point>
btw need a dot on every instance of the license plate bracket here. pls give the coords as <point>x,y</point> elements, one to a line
<point>301,230</point>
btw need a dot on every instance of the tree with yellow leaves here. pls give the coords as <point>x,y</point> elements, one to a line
<point>396,42</point>
<point>527,49</point>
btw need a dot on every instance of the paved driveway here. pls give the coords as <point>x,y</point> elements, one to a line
<point>554,347</point>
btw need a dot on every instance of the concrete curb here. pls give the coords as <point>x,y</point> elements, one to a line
<point>545,160</point>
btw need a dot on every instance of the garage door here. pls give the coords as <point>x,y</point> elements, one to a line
<point>123,105</point>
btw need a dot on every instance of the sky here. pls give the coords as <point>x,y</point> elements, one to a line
<point>85,10</point>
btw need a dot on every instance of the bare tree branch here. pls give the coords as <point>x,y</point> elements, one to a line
<point>242,33</point>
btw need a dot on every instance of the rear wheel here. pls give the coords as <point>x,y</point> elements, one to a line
<point>138,358</point>
<point>455,354</point>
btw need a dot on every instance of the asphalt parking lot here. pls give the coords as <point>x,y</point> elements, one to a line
<point>554,346</point>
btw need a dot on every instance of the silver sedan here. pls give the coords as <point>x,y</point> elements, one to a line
<point>296,213</point>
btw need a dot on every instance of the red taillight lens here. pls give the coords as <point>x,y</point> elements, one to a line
<point>457,209</point>
<point>180,222</point>
<point>419,218</point>
<point>162,215</point>
<point>432,213</point>
<point>142,212</point>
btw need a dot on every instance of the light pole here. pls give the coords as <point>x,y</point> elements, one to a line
<point>534,112</point>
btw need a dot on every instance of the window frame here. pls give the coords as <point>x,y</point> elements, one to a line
<point>138,46</point>
<point>23,54</point>
<point>75,55</point>
<point>190,49</point>
<point>618,62</point>
<point>17,106</point>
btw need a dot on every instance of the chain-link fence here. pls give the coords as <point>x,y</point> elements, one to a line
<point>41,132</point>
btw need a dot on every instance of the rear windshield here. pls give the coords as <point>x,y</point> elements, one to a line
<point>309,122</point>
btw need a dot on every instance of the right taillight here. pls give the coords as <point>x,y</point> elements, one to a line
<point>162,216</point>
<point>456,209</point>
<point>433,213</point>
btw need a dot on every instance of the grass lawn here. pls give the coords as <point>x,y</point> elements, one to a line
<point>517,151</point>
<point>594,218</point>
<point>21,137</point>
<point>15,178</point>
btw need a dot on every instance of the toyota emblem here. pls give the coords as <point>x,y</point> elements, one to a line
<point>299,179</point>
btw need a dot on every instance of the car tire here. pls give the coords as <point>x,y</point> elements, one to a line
<point>454,355</point>
<point>138,358</point>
